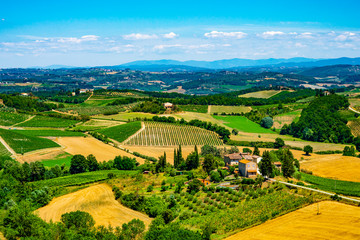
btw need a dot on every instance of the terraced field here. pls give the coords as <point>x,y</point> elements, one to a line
<point>166,134</point>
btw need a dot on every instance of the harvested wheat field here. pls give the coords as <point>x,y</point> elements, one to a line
<point>336,221</point>
<point>90,145</point>
<point>156,151</point>
<point>97,200</point>
<point>333,166</point>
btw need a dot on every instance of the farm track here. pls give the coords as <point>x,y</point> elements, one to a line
<point>7,147</point>
<point>23,121</point>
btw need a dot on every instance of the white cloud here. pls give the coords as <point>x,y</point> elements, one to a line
<point>3,19</point>
<point>89,38</point>
<point>300,45</point>
<point>170,35</point>
<point>162,47</point>
<point>85,38</point>
<point>140,36</point>
<point>345,36</point>
<point>216,34</point>
<point>271,34</point>
<point>305,35</point>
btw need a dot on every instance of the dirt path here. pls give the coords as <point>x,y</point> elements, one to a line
<point>92,93</point>
<point>335,221</point>
<point>7,146</point>
<point>209,109</point>
<point>97,200</point>
<point>23,121</point>
<point>351,109</point>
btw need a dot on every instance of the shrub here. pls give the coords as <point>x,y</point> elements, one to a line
<point>150,188</point>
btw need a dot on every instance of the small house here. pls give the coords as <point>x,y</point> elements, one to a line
<point>168,105</point>
<point>248,168</point>
<point>277,165</point>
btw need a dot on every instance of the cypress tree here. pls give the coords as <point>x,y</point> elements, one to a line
<point>256,151</point>
<point>265,164</point>
<point>176,164</point>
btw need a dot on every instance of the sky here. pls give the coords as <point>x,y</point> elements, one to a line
<point>99,33</point>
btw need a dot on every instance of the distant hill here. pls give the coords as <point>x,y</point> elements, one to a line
<point>160,68</point>
<point>332,70</point>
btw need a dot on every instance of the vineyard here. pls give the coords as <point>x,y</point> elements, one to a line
<point>166,134</point>
<point>354,127</point>
<point>11,118</point>
<point>45,121</point>
<point>4,151</point>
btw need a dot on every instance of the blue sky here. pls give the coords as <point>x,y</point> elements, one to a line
<point>93,33</point>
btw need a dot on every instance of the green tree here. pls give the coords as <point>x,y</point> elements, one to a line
<point>279,143</point>
<point>265,166</point>
<point>124,163</point>
<point>267,122</point>
<point>287,160</point>
<point>256,151</point>
<point>349,151</point>
<point>92,163</point>
<point>192,161</point>
<point>161,164</point>
<point>209,163</point>
<point>78,220</point>
<point>308,149</point>
<point>78,164</point>
<point>37,171</point>
<point>194,186</point>
<point>133,229</point>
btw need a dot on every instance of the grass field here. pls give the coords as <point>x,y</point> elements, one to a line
<point>97,200</point>
<point>45,121</point>
<point>260,94</point>
<point>126,116</point>
<point>93,110</point>
<point>166,134</point>
<point>335,221</point>
<point>194,108</point>
<point>49,133</point>
<point>21,143</point>
<point>242,124</point>
<point>354,125</point>
<point>229,109</point>
<point>286,118</point>
<point>61,159</point>
<point>121,132</point>
<point>96,124</point>
<point>89,145</point>
<point>333,185</point>
<point>11,118</point>
<point>333,166</point>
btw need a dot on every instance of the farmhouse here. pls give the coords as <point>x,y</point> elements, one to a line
<point>168,105</point>
<point>234,158</point>
<point>248,168</point>
<point>277,165</point>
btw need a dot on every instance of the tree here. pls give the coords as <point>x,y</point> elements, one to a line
<point>194,186</point>
<point>349,151</point>
<point>234,149</point>
<point>267,122</point>
<point>161,165</point>
<point>215,176</point>
<point>132,229</point>
<point>78,220</point>
<point>308,149</point>
<point>256,151</point>
<point>279,143</point>
<point>287,160</point>
<point>265,166</point>
<point>209,163</point>
<point>192,161</point>
<point>78,164</point>
<point>37,171</point>
<point>235,131</point>
<point>92,163</point>
<point>247,150</point>
<point>124,163</point>
<point>357,143</point>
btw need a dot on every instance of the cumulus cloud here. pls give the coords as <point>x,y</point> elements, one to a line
<point>271,34</point>
<point>140,36</point>
<point>170,35</point>
<point>345,36</point>
<point>216,34</point>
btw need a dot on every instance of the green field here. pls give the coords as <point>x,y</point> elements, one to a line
<point>45,121</point>
<point>194,108</point>
<point>4,151</point>
<point>260,94</point>
<point>127,115</point>
<point>332,185</point>
<point>82,178</point>
<point>50,133</point>
<point>96,124</point>
<point>242,124</point>
<point>169,134</point>
<point>11,118</point>
<point>121,132</point>
<point>59,160</point>
<point>21,143</point>
<point>95,109</point>
<point>229,109</point>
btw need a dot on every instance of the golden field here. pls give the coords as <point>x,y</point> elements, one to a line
<point>335,221</point>
<point>98,201</point>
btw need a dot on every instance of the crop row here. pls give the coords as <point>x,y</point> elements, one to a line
<point>166,134</point>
